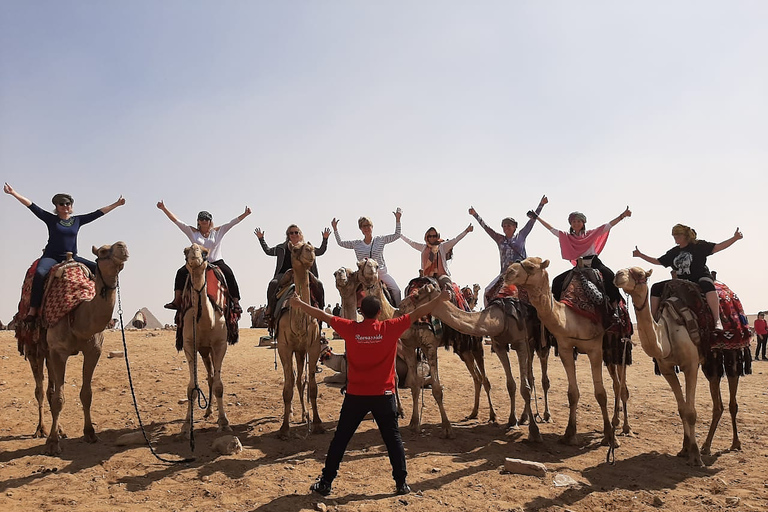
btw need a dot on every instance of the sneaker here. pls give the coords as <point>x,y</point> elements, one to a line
<point>403,488</point>
<point>718,325</point>
<point>321,487</point>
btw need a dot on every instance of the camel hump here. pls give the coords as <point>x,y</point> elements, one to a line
<point>68,285</point>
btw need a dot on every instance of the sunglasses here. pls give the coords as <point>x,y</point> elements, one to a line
<point>431,236</point>
<point>366,226</point>
<point>65,204</point>
<point>203,220</point>
<point>293,232</point>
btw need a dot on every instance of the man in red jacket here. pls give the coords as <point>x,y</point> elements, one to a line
<point>762,333</point>
<point>371,348</point>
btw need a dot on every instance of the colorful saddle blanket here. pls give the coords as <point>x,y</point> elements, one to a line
<point>735,333</point>
<point>584,293</point>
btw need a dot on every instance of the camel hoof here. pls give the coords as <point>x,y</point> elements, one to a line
<point>696,462</point>
<point>283,435</point>
<point>52,448</point>
<point>40,433</point>
<point>736,447</point>
<point>512,427</point>
<point>567,440</point>
<point>224,428</point>
<point>607,442</point>
<point>207,414</point>
<point>91,438</point>
<point>706,451</point>
<point>547,417</point>
<point>318,428</point>
<point>535,438</point>
<point>628,433</point>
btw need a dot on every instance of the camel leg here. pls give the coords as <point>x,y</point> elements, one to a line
<point>36,363</point>
<point>288,381</point>
<point>620,397</point>
<point>596,365</point>
<point>544,363</point>
<point>314,355</point>
<point>437,392</point>
<point>59,366</point>
<point>206,356</point>
<point>569,365</point>
<point>526,385</point>
<point>686,407</point>
<point>216,360</point>
<point>190,355</point>
<point>469,362</point>
<point>733,408</point>
<point>301,359</point>
<point>503,356</point>
<point>90,359</point>
<point>479,356</point>
<point>413,381</point>
<point>717,413</point>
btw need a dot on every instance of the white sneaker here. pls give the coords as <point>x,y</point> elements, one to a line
<point>718,325</point>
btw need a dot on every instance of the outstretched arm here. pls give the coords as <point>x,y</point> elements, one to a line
<point>625,213</point>
<point>497,237</point>
<point>312,311</point>
<point>637,254</point>
<point>533,215</point>
<point>167,212</point>
<point>727,243</point>
<point>427,308</point>
<point>23,200</point>
<point>120,202</point>
<point>523,234</point>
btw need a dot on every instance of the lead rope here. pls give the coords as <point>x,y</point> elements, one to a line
<point>133,392</point>
<point>202,401</point>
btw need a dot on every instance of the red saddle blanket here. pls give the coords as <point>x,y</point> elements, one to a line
<point>585,296</point>
<point>735,333</point>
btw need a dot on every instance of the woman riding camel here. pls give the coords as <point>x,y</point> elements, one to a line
<point>373,247</point>
<point>63,228</point>
<point>587,245</point>
<point>511,245</point>
<point>282,251</point>
<point>436,253</point>
<point>688,259</point>
<point>209,236</point>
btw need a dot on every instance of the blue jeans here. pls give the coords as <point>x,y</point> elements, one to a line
<point>43,267</point>
<point>353,410</point>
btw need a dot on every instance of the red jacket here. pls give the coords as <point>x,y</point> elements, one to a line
<point>760,327</point>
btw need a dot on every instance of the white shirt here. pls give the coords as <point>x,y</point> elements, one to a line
<point>212,242</point>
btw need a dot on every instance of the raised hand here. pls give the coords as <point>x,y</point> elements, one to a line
<point>326,232</point>
<point>258,232</point>
<point>472,211</point>
<point>544,200</point>
<point>636,253</point>
<point>161,204</point>
<point>335,223</point>
<point>398,213</point>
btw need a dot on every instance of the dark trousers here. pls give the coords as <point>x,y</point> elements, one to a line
<point>315,285</point>
<point>229,276</point>
<point>353,410</point>
<point>43,267</point>
<point>608,275</point>
<point>761,341</point>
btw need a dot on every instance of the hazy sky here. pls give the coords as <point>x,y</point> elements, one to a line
<point>306,111</point>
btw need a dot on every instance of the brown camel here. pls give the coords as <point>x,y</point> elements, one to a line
<point>347,283</point>
<point>298,336</point>
<point>81,331</point>
<point>506,333</point>
<point>670,344</point>
<point>257,317</point>
<point>204,328</point>
<point>571,331</point>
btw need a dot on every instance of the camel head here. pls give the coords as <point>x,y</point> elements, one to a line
<point>418,297</point>
<point>531,271</point>
<point>111,258</point>
<point>345,279</point>
<point>368,272</point>
<point>302,254</point>
<point>628,279</point>
<point>195,256</point>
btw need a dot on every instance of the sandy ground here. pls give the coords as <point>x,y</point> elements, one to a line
<point>464,473</point>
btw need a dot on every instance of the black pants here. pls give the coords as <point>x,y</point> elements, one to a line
<point>761,341</point>
<point>608,275</point>
<point>316,290</point>
<point>234,289</point>
<point>353,410</point>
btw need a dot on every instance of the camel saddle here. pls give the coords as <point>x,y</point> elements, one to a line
<point>687,306</point>
<point>584,293</point>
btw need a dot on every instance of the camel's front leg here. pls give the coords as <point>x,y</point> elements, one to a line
<point>526,384</point>
<point>620,397</point>
<point>207,357</point>
<point>544,363</point>
<point>288,382</point>
<point>190,355</point>
<point>733,408</point>
<point>413,381</point>
<point>217,388</point>
<point>503,356</point>
<point>437,392</point>
<point>301,358</point>
<point>59,366</point>
<point>569,365</point>
<point>596,365</point>
<point>717,413</point>
<point>317,423</point>
<point>90,360</point>
<point>479,356</point>
<point>469,362</point>
<point>36,363</point>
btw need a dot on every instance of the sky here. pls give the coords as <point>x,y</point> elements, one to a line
<point>305,111</point>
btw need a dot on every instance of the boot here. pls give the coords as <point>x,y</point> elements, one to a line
<point>176,302</point>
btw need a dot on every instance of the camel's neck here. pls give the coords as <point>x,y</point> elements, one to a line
<point>349,305</point>
<point>551,312</point>
<point>93,316</point>
<point>484,323</point>
<point>197,277</point>
<point>301,281</point>
<point>387,311</point>
<point>647,328</point>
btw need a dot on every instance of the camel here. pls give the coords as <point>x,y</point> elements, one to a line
<point>257,317</point>
<point>80,331</point>
<point>347,283</point>
<point>670,344</point>
<point>298,336</point>
<point>471,295</point>
<point>204,329</point>
<point>506,333</point>
<point>571,331</point>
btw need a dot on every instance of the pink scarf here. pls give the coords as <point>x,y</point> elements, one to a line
<point>572,247</point>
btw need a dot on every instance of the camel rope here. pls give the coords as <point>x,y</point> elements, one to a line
<point>133,392</point>
<point>202,401</point>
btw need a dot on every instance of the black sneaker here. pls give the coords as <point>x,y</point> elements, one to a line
<point>321,487</point>
<point>403,488</point>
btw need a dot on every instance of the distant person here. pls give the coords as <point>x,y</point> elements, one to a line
<point>762,334</point>
<point>371,347</point>
<point>689,260</point>
<point>511,245</point>
<point>209,236</point>
<point>373,247</point>
<point>336,310</point>
<point>63,228</point>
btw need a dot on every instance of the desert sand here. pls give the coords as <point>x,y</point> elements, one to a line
<point>465,473</point>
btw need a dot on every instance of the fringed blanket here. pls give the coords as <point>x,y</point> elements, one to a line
<point>584,294</point>
<point>27,336</point>
<point>735,333</point>
<point>69,284</point>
